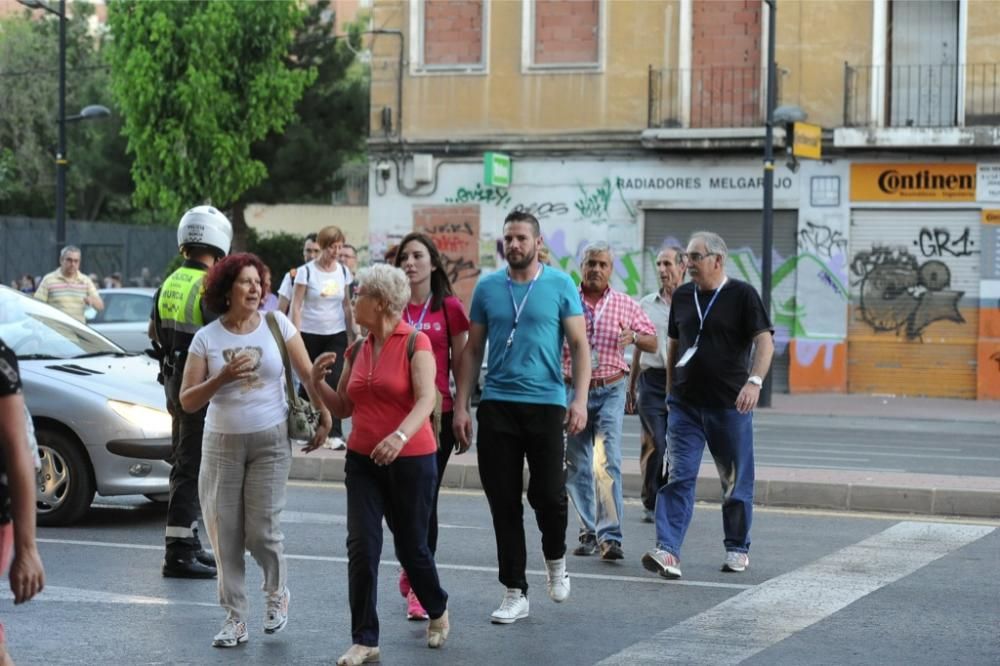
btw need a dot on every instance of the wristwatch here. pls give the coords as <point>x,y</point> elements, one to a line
<point>756,381</point>
<point>635,337</point>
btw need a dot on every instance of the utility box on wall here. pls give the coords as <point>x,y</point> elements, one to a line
<point>423,168</point>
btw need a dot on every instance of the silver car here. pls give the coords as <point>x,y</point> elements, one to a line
<point>125,316</point>
<point>100,416</point>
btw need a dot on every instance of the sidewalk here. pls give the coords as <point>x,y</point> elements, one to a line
<point>928,494</point>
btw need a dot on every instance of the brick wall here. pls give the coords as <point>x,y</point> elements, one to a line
<point>726,81</point>
<point>453,32</point>
<point>566,31</point>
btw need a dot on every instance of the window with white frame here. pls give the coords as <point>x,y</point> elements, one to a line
<point>563,34</point>
<point>448,35</point>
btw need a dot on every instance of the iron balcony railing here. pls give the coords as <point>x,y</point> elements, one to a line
<point>708,97</point>
<point>921,95</point>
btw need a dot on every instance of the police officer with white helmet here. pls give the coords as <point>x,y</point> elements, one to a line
<point>203,237</point>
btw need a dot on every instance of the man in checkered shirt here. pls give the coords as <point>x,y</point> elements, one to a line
<point>594,456</point>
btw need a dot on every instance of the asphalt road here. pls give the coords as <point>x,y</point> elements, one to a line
<point>823,588</point>
<point>855,443</point>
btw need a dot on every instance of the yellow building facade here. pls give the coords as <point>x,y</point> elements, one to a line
<point>638,122</point>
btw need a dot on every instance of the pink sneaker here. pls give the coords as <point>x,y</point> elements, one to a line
<point>414,611</point>
<point>404,583</point>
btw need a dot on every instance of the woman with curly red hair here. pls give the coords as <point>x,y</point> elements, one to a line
<point>235,366</point>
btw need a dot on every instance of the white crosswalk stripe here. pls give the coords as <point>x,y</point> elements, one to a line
<point>760,617</point>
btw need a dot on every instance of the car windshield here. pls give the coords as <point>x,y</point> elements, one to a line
<point>36,330</point>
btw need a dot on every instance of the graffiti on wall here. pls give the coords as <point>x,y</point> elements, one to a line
<point>455,232</point>
<point>496,196</point>
<point>939,243</point>
<point>901,295</point>
<point>822,240</point>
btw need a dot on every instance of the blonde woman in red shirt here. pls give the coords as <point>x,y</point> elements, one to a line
<point>391,463</point>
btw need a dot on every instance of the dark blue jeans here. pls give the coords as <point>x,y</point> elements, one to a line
<point>729,436</point>
<point>653,417</point>
<point>403,492</point>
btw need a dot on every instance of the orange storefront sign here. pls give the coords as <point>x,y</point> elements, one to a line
<point>913,182</point>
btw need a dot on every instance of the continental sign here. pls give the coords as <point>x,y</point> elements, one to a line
<point>913,182</point>
<point>991,216</point>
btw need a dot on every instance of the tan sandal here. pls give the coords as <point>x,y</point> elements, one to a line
<point>359,654</point>
<point>437,631</point>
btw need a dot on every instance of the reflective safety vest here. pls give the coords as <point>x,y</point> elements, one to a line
<point>179,305</point>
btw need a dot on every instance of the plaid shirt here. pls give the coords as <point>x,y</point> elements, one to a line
<point>614,313</point>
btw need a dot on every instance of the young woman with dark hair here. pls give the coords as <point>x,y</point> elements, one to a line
<point>434,310</point>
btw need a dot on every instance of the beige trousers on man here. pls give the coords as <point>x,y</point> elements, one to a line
<point>242,487</point>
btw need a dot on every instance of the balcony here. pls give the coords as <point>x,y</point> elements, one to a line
<point>921,105</point>
<point>707,97</point>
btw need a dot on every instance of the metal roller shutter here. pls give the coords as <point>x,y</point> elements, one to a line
<point>914,318</point>
<point>741,229</point>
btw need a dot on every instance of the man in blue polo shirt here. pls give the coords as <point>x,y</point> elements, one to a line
<point>526,312</point>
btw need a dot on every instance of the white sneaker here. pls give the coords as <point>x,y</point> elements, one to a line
<point>233,633</point>
<point>276,613</point>
<point>737,562</point>
<point>335,443</point>
<point>514,607</point>
<point>557,580</point>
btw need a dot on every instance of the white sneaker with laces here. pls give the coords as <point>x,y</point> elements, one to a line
<point>276,612</point>
<point>736,562</point>
<point>514,607</point>
<point>557,580</point>
<point>233,633</point>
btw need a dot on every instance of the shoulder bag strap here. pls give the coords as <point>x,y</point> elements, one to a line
<point>272,324</point>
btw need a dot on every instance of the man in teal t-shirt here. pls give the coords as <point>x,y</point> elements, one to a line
<point>526,312</point>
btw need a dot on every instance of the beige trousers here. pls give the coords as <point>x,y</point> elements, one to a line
<point>242,487</point>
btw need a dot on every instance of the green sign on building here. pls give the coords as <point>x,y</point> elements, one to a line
<point>498,170</point>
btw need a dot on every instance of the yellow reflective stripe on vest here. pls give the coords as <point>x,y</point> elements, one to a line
<point>179,304</point>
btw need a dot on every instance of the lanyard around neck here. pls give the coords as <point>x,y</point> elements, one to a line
<point>594,319</point>
<point>518,308</point>
<point>423,313</point>
<point>708,308</point>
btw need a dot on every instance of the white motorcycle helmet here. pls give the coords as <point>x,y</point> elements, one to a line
<point>207,227</point>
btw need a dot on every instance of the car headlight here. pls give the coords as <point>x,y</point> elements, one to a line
<point>153,422</point>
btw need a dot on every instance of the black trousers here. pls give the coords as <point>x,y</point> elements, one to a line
<point>509,433</point>
<point>447,439</point>
<point>319,344</point>
<point>183,508</point>
<point>402,492</point>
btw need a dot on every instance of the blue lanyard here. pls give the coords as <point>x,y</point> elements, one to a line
<point>519,308</point>
<point>423,313</point>
<point>594,319</point>
<point>697,304</point>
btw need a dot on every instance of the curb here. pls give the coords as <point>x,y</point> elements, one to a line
<point>925,494</point>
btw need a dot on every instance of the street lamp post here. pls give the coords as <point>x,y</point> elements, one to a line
<point>92,111</point>
<point>768,240</point>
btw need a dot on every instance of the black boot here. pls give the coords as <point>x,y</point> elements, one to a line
<point>205,557</point>
<point>186,565</point>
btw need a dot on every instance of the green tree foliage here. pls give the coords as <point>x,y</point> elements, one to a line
<point>98,183</point>
<point>198,83</point>
<point>332,116</point>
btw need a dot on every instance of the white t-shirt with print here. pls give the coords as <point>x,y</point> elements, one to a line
<point>323,308</point>
<point>257,402</point>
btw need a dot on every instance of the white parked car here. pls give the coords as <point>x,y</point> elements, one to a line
<point>125,317</point>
